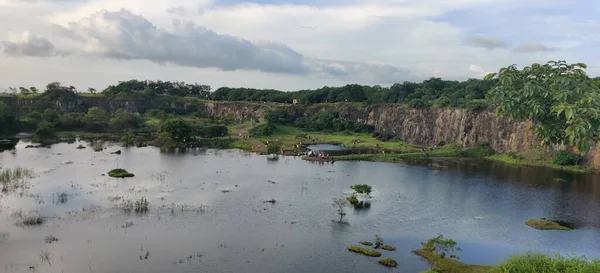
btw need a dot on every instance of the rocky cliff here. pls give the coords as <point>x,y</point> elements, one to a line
<point>415,126</point>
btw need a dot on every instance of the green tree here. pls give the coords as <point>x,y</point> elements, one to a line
<point>8,119</point>
<point>96,119</point>
<point>128,139</point>
<point>51,116</point>
<point>278,116</point>
<point>175,132</point>
<point>44,133</point>
<point>33,89</point>
<point>442,247</point>
<point>559,98</point>
<point>125,120</point>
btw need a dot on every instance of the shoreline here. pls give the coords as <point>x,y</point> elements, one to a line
<point>369,149</point>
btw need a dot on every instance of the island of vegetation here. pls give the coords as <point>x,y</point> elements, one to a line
<point>175,115</point>
<point>120,173</point>
<point>545,224</point>
<point>364,251</point>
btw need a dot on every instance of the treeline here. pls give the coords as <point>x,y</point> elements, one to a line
<point>320,121</point>
<point>179,89</point>
<point>432,92</point>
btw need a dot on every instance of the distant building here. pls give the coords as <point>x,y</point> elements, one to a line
<point>295,101</point>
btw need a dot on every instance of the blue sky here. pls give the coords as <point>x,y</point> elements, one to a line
<point>288,45</point>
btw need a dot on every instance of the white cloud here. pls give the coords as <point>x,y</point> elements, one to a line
<point>368,41</point>
<point>487,42</point>
<point>529,48</point>
<point>478,70</point>
<point>31,45</point>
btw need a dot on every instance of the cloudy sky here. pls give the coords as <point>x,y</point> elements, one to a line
<point>286,44</point>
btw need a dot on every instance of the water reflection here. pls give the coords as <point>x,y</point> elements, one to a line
<point>482,205</point>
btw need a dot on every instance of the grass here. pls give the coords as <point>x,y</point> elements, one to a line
<point>539,162</point>
<point>287,136</point>
<point>389,262</point>
<point>388,248</point>
<point>15,177</point>
<point>352,199</point>
<point>544,224</point>
<point>539,263</point>
<point>32,220</point>
<point>366,243</point>
<point>448,265</point>
<point>120,173</point>
<point>364,251</point>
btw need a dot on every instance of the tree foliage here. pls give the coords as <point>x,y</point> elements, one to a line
<point>122,120</point>
<point>362,189</point>
<point>135,87</point>
<point>561,101</point>
<point>96,119</point>
<point>432,92</point>
<point>175,132</point>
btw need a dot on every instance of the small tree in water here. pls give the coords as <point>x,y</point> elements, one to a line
<point>378,241</point>
<point>441,247</point>
<point>340,204</point>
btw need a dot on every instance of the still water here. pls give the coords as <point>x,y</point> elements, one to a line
<point>207,212</point>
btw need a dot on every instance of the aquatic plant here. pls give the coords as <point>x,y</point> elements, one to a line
<point>366,243</point>
<point>15,177</point>
<point>364,251</point>
<point>80,147</point>
<point>141,205</point>
<point>32,220</point>
<point>97,148</point>
<point>362,189</point>
<point>545,224</point>
<point>540,263</point>
<point>378,241</point>
<point>352,199</point>
<point>45,256</point>
<point>50,239</point>
<point>388,247</point>
<point>340,204</point>
<point>389,262</point>
<point>120,173</point>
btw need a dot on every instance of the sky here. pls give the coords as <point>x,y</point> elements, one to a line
<point>285,44</point>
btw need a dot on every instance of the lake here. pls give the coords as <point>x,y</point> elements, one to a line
<point>207,211</point>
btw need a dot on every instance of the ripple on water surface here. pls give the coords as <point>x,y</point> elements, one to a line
<point>207,211</point>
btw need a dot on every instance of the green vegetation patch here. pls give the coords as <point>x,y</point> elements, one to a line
<point>539,263</point>
<point>32,220</point>
<point>362,189</point>
<point>388,248</point>
<point>120,173</point>
<point>389,262</point>
<point>364,251</point>
<point>544,224</point>
<point>447,265</point>
<point>366,243</point>
<point>564,158</point>
<point>352,199</point>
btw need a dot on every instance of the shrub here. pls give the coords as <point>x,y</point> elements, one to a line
<point>389,262</point>
<point>262,130</point>
<point>368,252</point>
<point>352,199</point>
<point>564,158</point>
<point>362,188</point>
